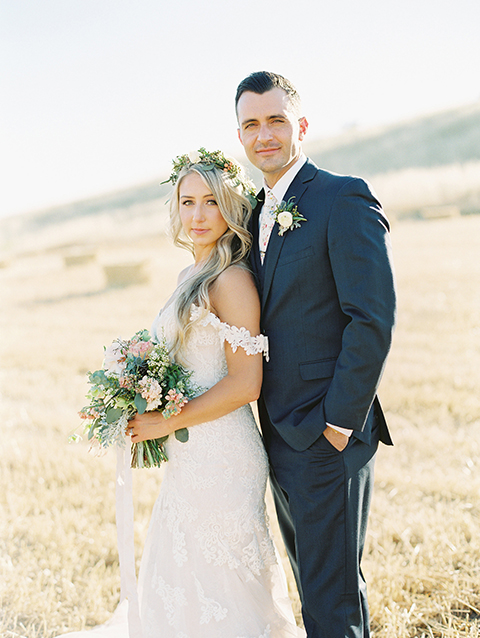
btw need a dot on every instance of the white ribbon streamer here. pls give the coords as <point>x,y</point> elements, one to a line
<point>125,537</point>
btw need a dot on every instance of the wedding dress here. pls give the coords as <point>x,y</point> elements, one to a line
<point>209,567</point>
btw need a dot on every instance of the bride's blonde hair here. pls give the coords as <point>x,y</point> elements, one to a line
<point>230,249</point>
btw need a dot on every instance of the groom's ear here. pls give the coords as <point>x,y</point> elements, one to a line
<point>303,127</point>
<point>239,136</point>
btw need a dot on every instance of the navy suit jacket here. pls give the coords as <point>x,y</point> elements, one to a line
<point>328,309</point>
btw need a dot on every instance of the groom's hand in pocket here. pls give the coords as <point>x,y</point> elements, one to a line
<point>335,438</point>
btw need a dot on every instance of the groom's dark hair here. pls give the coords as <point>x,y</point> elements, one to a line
<point>262,81</point>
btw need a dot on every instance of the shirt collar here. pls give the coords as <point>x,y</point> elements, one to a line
<point>284,182</point>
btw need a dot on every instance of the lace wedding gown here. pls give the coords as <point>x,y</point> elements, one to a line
<point>209,568</point>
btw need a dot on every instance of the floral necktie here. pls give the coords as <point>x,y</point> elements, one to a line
<point>267,221</point>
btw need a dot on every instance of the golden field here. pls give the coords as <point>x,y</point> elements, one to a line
<point>58,557</point>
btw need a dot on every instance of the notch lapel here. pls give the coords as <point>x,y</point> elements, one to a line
<point>253,227</point>
<point>272,254</point>
<point>296,189</point>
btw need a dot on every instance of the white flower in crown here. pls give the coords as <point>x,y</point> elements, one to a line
<point>194,157</point>
<point>287,216</point>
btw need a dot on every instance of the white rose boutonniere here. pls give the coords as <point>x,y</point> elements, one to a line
<point>285,219</point>
<point>287,216</point>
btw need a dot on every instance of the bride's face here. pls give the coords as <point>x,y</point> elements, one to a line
<point>201,218</point>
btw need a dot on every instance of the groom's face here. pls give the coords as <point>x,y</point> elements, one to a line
<point>270,131</point>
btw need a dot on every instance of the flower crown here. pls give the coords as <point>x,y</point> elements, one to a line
<point>210,160</point>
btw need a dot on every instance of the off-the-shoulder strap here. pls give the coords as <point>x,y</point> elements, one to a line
<point>236,337</point>
<point>241,338</point>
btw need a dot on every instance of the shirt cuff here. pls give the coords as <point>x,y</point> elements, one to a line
<point>345,431</point>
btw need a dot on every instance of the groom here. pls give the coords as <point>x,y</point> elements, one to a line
<point>328,309</point>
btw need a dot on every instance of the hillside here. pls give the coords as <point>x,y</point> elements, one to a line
<point>422,164</point>
<point>448,137</point>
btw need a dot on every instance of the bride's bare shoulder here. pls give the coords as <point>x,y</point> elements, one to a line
<point>234,279</point>
<point>234,297</point>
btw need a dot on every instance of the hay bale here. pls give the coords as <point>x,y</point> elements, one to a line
<point>126,274</point>
<point>440,212</point>
<point>79,257</point>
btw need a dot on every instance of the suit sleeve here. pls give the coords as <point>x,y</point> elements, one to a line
<point>360,256</point>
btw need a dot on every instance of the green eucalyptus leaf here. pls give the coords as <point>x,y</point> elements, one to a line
<point>113,414</point>
<point>182,435</point>
<point>98,377</point>
<point>252,199</point>
<point>140,403</point>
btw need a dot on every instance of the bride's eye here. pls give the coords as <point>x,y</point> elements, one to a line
<point>187,202</point>
<point>211,202</point>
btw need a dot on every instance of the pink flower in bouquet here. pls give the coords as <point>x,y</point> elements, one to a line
<point>127,381</point>
<point>176,401</point>
<point>140,348</point>
<point>89,413</point>
<point>114,360</point>
<point>177,397</point>
<point>151,391</point>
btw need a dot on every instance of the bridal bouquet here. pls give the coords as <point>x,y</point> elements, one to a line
<point>137,376</point>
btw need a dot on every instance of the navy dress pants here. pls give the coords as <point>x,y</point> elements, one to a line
<point>322,497</point>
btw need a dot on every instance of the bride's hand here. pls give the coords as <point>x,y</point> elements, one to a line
<point>149,425</point>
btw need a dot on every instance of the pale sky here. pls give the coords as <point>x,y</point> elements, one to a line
<point>98,95</point>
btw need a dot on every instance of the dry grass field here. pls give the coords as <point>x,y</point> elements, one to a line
<point>58,558</point>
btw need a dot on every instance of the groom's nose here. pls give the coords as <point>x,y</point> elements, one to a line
<point>264,133</point>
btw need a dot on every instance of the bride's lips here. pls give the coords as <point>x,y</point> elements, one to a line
<point>199,231</point>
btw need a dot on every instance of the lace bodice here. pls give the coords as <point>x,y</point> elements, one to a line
<point>205,351</point>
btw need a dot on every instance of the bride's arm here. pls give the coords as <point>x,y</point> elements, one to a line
<point>235,301</point>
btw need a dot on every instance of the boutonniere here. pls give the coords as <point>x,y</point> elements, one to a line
<point>287,216</point>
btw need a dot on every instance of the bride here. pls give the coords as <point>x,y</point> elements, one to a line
<point>209,567</point>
